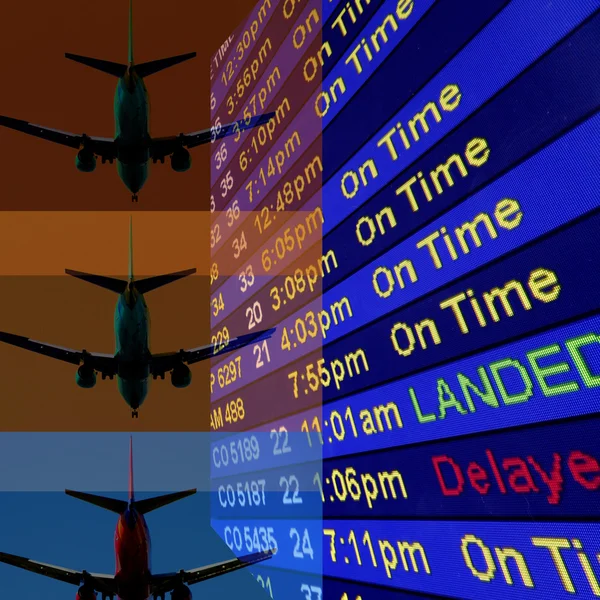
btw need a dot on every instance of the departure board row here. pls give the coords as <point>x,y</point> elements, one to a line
<point>418,222</point>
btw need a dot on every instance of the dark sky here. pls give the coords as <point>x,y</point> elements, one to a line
<point>40,85</point>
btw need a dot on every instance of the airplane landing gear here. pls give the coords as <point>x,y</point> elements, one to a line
<point>134,414</point>
<point>134,198</point>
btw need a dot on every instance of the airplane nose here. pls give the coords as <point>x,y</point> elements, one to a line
<point>133,176</point>
<point>134,185</point>
<point>134,392</point>
<point>135,398</point>
<point>137,180</point>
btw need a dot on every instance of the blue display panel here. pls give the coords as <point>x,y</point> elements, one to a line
<point>548,377</point>
<point>464,559</point>
<point>484,227</point>
<point>280,584</point>
<point>553,471</point>
<point>420,224</point>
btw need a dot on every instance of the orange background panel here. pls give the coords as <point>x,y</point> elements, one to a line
<point>37,300</point>
<point>45,243</point>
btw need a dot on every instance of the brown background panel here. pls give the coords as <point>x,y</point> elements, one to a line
<point>41,86</point>
<point>38,393</point>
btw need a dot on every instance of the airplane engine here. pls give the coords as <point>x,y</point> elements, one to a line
<point>181,160</point>
<point>181,376</point>
<point>85,377</point>
<point>85,592</point>
<point>85,161</point>
<point>181,592</point>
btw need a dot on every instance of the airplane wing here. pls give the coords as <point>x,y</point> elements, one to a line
<point>165,146</point>
<point>100,582</point>
<point>167,582</point>
<point>161,363</point>
<point>103,363</point>
<point>103,147</point>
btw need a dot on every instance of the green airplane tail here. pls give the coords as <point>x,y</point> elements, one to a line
<point>130,44</point>
<point>119,285</point>
<point>119,70</point>
<point>130,273</point>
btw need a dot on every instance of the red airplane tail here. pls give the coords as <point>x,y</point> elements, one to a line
<point>131,494</point>
<point>120,506</point>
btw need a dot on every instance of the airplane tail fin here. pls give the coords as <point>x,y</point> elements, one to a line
<point>150,504</point>
<point>119,70</point>
<point>106,66</point>
<point>120,506</point>
<point>149,68</point>
<point>130,43</point>
<point>119,286</point>
<point>131,493</point>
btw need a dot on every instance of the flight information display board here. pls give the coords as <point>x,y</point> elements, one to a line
<point>420,222</point>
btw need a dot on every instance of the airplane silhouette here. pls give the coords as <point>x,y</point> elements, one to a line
<point>132,146</point>
<point>133,579</point>
<point>132,362</point>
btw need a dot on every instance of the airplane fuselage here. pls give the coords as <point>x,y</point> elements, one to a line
<point>132,556</point>
<point>132,114</point>
<point>132,347</point>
